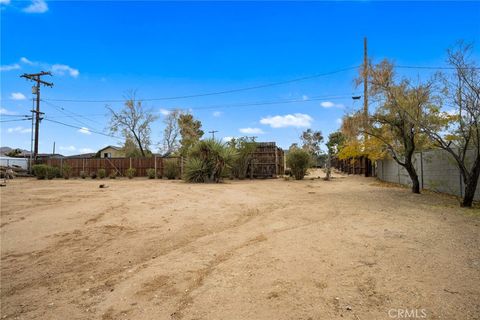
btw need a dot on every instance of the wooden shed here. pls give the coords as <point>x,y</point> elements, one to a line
<point>268,161</point>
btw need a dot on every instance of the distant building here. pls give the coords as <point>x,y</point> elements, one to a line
<point>82,156</point>
<point>111,152</point>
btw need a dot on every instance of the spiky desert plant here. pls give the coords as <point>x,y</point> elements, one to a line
<point>207,160</point>
<point>66,171</point>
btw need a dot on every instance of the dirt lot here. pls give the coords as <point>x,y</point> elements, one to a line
<point>350,248</point>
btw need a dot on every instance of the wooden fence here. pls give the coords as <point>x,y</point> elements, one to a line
<point>268,162</point>
<point>120,165</point>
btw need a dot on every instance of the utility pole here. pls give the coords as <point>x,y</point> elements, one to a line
<point>365,78</point>
<point>365,98</point>
<point>213,133</point>
<point>37,77</point>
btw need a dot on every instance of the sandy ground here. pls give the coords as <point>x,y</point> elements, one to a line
<point>350,248</point>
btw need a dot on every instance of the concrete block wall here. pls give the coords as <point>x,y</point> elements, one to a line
<point>436,169</point>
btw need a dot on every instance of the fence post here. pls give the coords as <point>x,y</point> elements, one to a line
<point>130,163</point>
<point>276,162</point>
<point>398,172</point>
<point>181,166</point>
<point>421,167</point>
<point>155,159</point>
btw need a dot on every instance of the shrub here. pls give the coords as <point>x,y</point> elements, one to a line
<point>57,172</point>
<point>83,174</point>
<point>298,161</point>
<point>131,173</point>
<point>66,171</point>
<point>102,173</point>
<point>245,148</point>
<point>40,171</point>
<point>151,174</point>
<point>113,174</point>
<point>93,175</point>
<point>171,170</point>
<point>207,161</point>
<point>52,172</point>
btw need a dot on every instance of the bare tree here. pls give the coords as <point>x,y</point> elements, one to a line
<point>171,133</point>
<point>457,131</point>
<point>133,121</point>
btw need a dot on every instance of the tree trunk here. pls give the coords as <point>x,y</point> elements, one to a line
<point>471,185</point>
<point>413,176</point>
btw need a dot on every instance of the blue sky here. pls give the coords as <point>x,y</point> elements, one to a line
<point>101,50</point>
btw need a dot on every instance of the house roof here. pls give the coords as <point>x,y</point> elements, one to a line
<point>82,156</point>
<point>112,147</point>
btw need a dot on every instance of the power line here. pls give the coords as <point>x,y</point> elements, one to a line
<point>76,127</point>
<point>246,104</point>
<point>434,68</point>
<point>73,114</point>
<point>216,92</point>
<point>16,120</point>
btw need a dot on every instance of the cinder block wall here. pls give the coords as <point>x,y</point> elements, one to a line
<point>436,169</point>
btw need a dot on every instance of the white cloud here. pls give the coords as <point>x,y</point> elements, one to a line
<point>19,130</point>
<point>17,96</point>
<point>61,69</point>
<point>339,121</point>
<point>37,6</point>
<point>5,2</point>
<point>7,112</point>
<point>26,61</point>
<point>86,150</point>
<point>68,148</point>
<point>305,97</point>
<point>165,112</point>
<point>9,67</point>
<point>217,114</point>
<point>84,130</point>
<point>329,104</point>
<point>251,130</point>
<point>228,139</point>
<point>289,120</point>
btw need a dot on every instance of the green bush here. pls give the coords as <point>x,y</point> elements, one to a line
<point>245,148</point>
<point>151,174</point>
<point>83,174</point>
<point>171,170</point>
<point>52,172</point>
<point>113,174</point>
<point>102,173</point>
<point>40,171</point>
<point>93,175</point>
<point>131,173</point>
<point>66,171</point>
<point>298,161</point>
<point>207,160</point>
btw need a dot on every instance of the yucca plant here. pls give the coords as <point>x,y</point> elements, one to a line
<point>207,160</point>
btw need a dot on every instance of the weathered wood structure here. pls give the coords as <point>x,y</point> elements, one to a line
<point>359,165</point>
<point>268,161</point>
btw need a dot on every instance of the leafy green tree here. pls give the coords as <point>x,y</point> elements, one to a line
<point>311,141</point>
<point>245,147</point>
<point>190,132</point>
<point>334,144</point>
